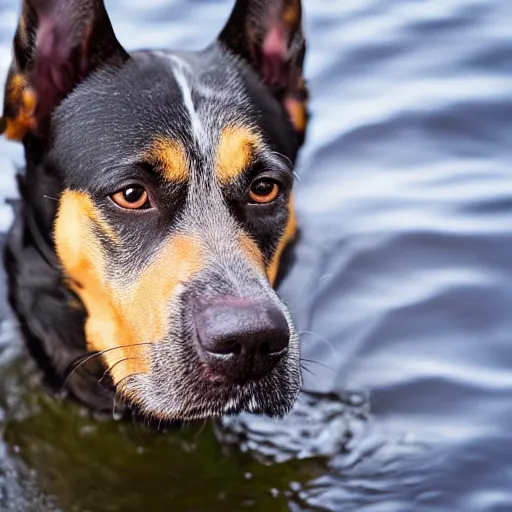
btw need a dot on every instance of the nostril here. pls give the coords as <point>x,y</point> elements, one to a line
<point>222,345</point>
<point>241,339</point>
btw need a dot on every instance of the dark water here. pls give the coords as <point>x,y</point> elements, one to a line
<point>402,287</point>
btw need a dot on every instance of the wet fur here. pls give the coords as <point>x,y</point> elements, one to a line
<point>49,310</point>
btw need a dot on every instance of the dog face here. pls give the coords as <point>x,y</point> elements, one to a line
<point>176,203</point>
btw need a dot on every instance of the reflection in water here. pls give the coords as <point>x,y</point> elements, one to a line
<point>402,287</point>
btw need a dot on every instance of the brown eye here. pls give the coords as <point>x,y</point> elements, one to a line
<point>263,191</point>
<point>132,198</point>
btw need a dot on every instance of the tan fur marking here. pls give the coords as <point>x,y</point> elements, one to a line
<point>83,259</point>
<point>251,249</point>
<point>288,235</point>
<point>297,112</point>
<point>22,100</point>
<point>170,157</point>
<point>235,152</point>
<point>291,13</point>
<point>96,217</point>
<point>120,314</point>
<point>15,87</point>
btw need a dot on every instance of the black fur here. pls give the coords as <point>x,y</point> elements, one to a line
<point>101,111</point>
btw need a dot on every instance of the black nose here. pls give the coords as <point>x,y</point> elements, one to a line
<point>239,339</point>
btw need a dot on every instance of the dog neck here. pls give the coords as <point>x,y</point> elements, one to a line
<point>50,315</point>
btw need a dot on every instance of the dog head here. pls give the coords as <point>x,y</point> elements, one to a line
<point>175,201</point>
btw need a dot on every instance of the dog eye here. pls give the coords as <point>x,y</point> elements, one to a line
<point>133,197</point>
<point>263,191</point>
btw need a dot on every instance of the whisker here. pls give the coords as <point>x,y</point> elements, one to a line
<point>306,369</point>
<point>324,278</point>
<point>122,381</point>
<point>196,437</point>
<point>115,417</point>
<point>321,338</point>
<point>320,364</point>
<point>52,198</point>
<point>79,361</point>
<point>283,157</point>
<point>119,386</point>
<point>84,359</point>
<point>299,179</point>
<point>110,368</point>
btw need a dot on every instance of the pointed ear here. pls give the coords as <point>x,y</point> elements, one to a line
<point>57,44</point>
<point>268,34</point>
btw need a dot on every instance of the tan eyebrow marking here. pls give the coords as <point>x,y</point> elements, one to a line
<point>235,152</point>
<point>169,156</point>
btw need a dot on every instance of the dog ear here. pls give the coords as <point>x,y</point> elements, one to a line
<point>268,34</point>
<point>58,43</point>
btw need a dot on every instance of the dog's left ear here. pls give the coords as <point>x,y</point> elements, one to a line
<point>58,43</point>
<point>268,35</point>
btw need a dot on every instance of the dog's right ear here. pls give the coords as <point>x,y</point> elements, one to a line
<point>58,43</point>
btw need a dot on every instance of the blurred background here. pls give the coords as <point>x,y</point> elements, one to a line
<point>402,288</point>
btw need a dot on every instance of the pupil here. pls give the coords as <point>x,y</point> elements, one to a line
<point>263,188</point>
<point>133,194</point>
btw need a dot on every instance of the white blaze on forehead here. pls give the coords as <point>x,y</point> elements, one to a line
<point>179,69</point>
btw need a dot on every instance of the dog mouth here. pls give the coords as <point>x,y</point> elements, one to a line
<point>272,396</point>
<point>186,385</point>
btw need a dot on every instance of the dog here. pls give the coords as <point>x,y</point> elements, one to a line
<point>155,207</point>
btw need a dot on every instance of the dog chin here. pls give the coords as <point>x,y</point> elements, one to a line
<point>273,396</point>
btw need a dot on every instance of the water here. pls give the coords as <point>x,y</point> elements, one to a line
<point>403,282</point>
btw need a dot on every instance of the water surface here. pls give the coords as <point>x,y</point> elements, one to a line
<point>402,288</point>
